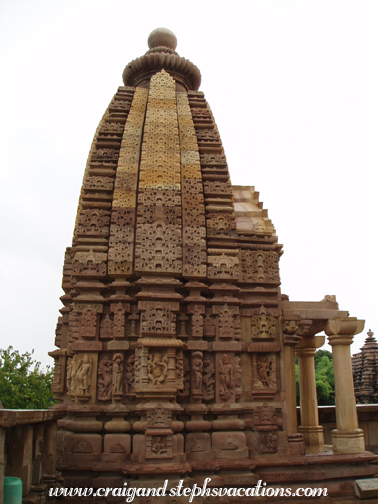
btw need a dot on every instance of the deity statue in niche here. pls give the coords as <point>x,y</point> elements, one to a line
<point>266,442</point>
<point>197,370</point>
<point>84,375</point>
<point>208,377</point>
<point>118,374</point>
<point>226,375</point>
<point>130,373</point>
<point>159,446</point>
<point>264,369</point>
<point>69,374</point>
<point>72,369</point>
<point>105,378</point>
<point>157,368</point>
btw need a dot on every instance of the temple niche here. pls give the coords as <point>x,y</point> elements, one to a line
<point>176,346</point>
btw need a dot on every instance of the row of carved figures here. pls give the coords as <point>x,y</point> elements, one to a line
<point>116,374</point>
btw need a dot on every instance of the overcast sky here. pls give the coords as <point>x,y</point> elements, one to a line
<point>293,86</point>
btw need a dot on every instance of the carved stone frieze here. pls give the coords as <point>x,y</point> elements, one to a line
<point>107,155</point>
<point>99,183</point>
<point>89,264</point>
<point>197,312</point>
<point>265,418</point>
<point>263,327</point>
<point>93,222</point>
<point>88,324</point>
<point>226,316</point>
<point>259,267</point>
<point>222,267</point>
<point>158,320</point>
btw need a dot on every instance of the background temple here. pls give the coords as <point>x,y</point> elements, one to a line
<point>176,347</point>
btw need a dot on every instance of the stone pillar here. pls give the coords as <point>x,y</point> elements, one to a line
<point>291,339</point>
<point>49,451</point>
<point>310,428</point>
<point>347,437</point>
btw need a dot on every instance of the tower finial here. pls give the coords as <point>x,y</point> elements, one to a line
<point>162,37</point>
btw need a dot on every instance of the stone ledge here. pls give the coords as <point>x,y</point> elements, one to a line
<point>10,418</point>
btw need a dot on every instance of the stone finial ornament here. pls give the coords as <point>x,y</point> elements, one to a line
<point>162,37</point>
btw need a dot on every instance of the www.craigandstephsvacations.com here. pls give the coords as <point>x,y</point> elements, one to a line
<point>259,490</point>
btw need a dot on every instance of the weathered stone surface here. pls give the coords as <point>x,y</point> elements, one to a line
<point>366,489</point>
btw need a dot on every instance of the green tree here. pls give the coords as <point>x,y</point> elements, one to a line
<point>325,380</point>
<point>23,384</point>
<point>324,377</point>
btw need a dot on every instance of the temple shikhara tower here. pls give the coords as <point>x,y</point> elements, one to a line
<point>175,346</point>
<point>365,371</point>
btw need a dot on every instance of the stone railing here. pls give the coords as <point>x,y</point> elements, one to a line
<point>367,421</point>
<point>28,450</point>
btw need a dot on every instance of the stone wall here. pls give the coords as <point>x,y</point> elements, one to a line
<point>28,451</point>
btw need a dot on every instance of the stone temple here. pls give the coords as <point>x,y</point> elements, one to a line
<point>175,345</point>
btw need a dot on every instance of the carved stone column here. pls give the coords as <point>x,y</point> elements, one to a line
<point>291,340</point>
<point>347,437</point>
<point>310,428</point>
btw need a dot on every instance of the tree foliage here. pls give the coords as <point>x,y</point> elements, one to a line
<point>23,384</point>
<point>324,377</point>
<point>325,380</point>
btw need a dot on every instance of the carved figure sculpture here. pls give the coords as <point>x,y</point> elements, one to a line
<point>264,368</point>
<point>105,378</point>
<point>226,375</point>
<point>69,374</point>
<point>84,374</point>
<point>157,368</point>
<point>129,372</point>
<point>197,370</point>
<point>159,447</point>
<point>208,378</point>
<point>118,374</point>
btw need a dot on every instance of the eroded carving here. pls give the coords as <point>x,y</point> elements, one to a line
<point>105,378</point>
<point>226,378</point>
